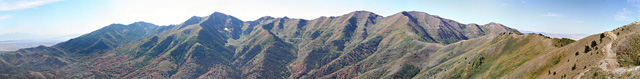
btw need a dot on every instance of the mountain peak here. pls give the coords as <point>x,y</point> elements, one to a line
<point>494,23</point>
<point>195,17</point>
<point>362,12</point>
<point>265,18</point>
<point>142,23</point>
<point>414,12</point>
<point>218,14</point>
<point>116,24</point>
<point>192,20</point>
<point>497,25</point>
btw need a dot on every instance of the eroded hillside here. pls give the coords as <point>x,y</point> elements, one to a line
<point>359,44</point>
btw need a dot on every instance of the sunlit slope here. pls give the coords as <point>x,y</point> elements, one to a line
<point>359,44</point>
<point>42,58</point>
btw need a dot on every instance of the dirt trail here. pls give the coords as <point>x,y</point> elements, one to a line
<point>582,73</point>
<point>610,62</point>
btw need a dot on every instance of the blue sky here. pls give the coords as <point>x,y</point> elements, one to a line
<point>83,16</point>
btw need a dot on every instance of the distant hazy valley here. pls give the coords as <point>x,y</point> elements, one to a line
<point>15,41</point>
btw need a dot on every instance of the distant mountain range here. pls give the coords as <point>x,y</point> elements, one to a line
<point>31,36</point>
<point>15,41</point>
<point>359,44</point>
<point>559,35</point>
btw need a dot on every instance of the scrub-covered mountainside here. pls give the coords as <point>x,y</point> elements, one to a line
<point>359,44</point>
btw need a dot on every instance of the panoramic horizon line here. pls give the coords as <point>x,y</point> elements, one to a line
<point>313,18</point>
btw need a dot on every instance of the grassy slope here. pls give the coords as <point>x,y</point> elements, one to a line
<point>359,44</point>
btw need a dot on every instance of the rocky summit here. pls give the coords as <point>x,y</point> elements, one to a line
<point>359,44</point>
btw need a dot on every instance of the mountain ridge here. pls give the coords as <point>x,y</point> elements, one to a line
<point>359,44</point>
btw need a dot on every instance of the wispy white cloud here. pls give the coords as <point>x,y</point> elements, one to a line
<point>579,21</point>
<point>5,17</point>
<point>8,5</point>
<point>623,15</point>
<point>551,14</point>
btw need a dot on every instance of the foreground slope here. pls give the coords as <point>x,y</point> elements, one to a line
<point>612,54</point>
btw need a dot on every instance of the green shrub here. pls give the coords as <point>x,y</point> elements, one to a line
<point>593,43</point>
<point>586,49</point>
<point>562,42</point>
<point>574,67</point>
<point>407,72</point>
